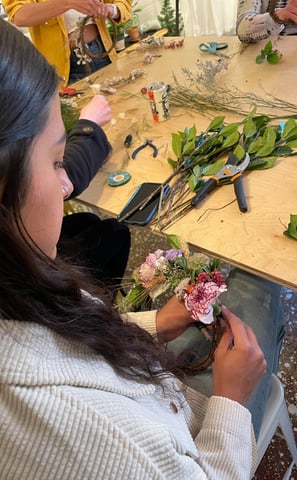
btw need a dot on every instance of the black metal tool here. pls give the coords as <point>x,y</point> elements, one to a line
<point>231,172</point>
<point>141,147</point>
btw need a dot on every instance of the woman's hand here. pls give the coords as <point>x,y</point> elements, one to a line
<point>172,320</point>
<point>97,110</point>
<point>288,13</point>
<point>239,362</point>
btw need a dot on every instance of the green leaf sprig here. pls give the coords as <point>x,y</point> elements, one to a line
<point>204,154</point>
<point>269,54</point>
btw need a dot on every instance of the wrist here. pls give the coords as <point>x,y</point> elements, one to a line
<point>276,18</point>
<point>113,11</point>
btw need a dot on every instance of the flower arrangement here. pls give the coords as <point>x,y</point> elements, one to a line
<point>192,277</point>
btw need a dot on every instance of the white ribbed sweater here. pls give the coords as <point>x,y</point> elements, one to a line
<point>254,22</point>
<point>65,414</point>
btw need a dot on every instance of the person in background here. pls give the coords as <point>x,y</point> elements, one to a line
<point>85,392</point>
<point>54,28</point>
<point>258,19</point>
<point>102,246</point>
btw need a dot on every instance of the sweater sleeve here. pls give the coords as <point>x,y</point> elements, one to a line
<point>226,441</point>
<point>87,149</point>
<point>254,23</point>
<point>146,320</point>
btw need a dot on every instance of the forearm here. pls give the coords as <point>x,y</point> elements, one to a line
<point>226,443</point>
<point>31,14</point>
<point>87,148</point>
<point>252,27</point>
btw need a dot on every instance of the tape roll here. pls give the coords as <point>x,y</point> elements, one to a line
<point>118,178</point>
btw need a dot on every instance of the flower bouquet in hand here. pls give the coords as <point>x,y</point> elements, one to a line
<point>192,277</point>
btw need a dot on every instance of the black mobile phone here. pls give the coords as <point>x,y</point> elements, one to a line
<point>144,216</point>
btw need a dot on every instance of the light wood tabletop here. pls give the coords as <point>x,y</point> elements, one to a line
<point>254,240</point>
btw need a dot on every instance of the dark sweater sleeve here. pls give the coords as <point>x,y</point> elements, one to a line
<point>87,149</point>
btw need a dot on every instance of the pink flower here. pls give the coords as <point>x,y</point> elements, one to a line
<point>146,273</point>
<point>200,299</point>
<point>153,257</point>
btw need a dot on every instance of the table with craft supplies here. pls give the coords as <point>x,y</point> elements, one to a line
<point>254,240</point>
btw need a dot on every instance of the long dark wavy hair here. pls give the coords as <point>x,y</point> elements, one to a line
<point>34,287</point>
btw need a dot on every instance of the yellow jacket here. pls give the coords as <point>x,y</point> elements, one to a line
<point>51,37</point>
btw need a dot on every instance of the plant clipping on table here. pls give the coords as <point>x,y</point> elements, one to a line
<point>193,277</point>
<point>202,92</point>
<point>200,155</point>
<point>269,54</point>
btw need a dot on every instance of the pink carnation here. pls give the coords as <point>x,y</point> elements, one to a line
<point>200,300</point>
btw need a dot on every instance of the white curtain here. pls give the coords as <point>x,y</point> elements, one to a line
<point>207,17</point>
<point>201,17</point>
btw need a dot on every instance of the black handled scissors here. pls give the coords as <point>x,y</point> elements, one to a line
<point>231,172</point>
<point>213,47</point>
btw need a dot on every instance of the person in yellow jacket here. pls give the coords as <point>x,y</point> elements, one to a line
<point>54,27</point>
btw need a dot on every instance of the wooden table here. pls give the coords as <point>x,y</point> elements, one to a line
<point>254,240</point>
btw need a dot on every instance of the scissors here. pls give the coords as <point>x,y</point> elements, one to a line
<point>213,47</point>
<point>231,172</point>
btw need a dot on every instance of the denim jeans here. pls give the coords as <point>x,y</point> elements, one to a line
<point>257,302</point>
<point>81,70</point>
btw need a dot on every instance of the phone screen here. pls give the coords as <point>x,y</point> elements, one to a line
<point>143,217</point>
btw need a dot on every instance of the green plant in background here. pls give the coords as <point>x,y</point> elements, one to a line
<point>70,115</point>
<point>167,19</point>
<point>269,54</point>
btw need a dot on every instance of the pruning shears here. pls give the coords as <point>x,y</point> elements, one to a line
<point>212,47</point>
<point>231,172</point>
<point>69,92</point>
<point>141,147</point>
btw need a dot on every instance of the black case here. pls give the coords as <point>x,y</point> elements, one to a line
<point>143,217</point>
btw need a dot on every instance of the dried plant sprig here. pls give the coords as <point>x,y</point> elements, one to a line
<point>204,95</point>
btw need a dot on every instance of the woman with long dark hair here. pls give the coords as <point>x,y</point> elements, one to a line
<point>85,393</point>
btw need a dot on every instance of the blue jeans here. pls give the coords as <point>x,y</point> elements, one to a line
<point>257,302</point>
<point>81,70</point>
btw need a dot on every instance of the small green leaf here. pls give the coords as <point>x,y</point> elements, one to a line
<point>174,241</point>
<point>193,182</point>
<point>197,171</point>
<point>292,144</point>
<point>216,124</point>
<point>282,151</point>
<point>292,227</point>
<point>213,168</point>
<point>290,126</point>
<point>262,163</point>
<point>239,152</point>
<point>229,129</point>
<point>176,144</point>
<point>273,58</point>
<point>172,163</point>
<point>267,48</point>
<point>269,138</point>
<point>260,59</point>
<point>249,128</point>
<point>231,140</point>
<point>256,145</point>
<point>188,147</point>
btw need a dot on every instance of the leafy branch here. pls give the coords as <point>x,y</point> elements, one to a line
<point>202,155</point>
